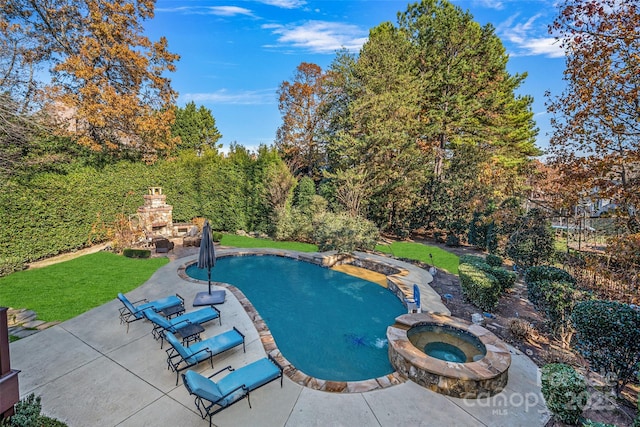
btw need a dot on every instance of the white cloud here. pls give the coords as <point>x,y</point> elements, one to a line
<point>229,11</point>
<point>527,39</point>
<point>212,10</point>
<point>319,36</point>
<point>285,4</point>
<point>223,96</point>
<point>491,4</point>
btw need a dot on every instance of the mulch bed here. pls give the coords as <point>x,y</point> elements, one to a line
<point>539,345</point>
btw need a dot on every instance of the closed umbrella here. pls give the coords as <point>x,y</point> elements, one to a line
<point>207,259</point>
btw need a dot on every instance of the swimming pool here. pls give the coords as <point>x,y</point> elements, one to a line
<point>328,324</point>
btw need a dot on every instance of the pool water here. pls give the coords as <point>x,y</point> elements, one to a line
<point>328,324</point>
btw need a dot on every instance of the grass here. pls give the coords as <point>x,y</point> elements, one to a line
<point>62,291</point>
<point>419,252</point>
<point>250,242</point>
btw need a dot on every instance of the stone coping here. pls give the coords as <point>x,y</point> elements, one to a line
<point>490,370</point>
<point>268,341</point>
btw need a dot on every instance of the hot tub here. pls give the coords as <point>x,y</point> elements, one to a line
<point>448,355</point>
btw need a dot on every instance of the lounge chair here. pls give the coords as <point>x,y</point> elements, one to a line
<point>180,357</point>
<point>212,397</point>
<point>131,312</point>
<point>161,323</point>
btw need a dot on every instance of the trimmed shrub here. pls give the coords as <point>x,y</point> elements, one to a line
<point>636,421</point>
<point>471,259</point>
<point>556,300</point>
<point>479,287</point>
<point>494,260</point>
<point>216,236</point>
<point>547,272</point>
<point>136,253</point>
<point>27,414</point>
<point>608,336</point>
<point>452,241</point>
<point>564,391</point>
<point>344,233</point>
<point>506,278</point>
<point>10,265</point>
<point>589,423</point>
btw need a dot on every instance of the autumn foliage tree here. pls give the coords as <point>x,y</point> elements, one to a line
<point>108,88</point>
<point>299,138</point>
<point>596,129</point>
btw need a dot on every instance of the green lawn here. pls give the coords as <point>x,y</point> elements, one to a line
<point>65,290</point>
<point>250,242</point>
<point>62,291</point>
<point>417,251</point>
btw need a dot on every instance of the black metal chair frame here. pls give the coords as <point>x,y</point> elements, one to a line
<point>158,331</point>
<point>128,317</point>
<point>205,409</point>
<point>173,354</point>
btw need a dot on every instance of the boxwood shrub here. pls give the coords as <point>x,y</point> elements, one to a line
<point>506,278</point>
<point>556,299</point>
<point>479,287</point>
<point>546,272</point>
<point>137,253</point>
<point>608,336</point>
<point>494,260</point>
<point>564,391</point>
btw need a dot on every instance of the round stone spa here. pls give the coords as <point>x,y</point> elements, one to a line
<point>448,355</point>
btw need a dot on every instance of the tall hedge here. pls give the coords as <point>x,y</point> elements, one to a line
<point>47,213</point>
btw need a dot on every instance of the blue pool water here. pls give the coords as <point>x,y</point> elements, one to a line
<point>328,324</point>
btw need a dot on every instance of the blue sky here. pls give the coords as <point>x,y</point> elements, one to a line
<point>236,53</point>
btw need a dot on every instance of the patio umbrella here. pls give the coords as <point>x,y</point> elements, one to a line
<point>207,259</point>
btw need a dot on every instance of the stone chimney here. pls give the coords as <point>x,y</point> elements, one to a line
<point>156,217</point>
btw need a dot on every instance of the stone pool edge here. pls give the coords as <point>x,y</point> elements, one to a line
<point>396,285</point>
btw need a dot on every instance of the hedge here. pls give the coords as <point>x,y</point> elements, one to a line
<point>136,253</point>
<point>494,260</point>
<point>608,336</point>
<point>545,272</point>
<point>564,391</point>
<point>556,299</point>
<point>506,278</point>
<point>479,287</point>
<point>48,213</point>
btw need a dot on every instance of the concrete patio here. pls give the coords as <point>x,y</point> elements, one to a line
<point>90,372</point>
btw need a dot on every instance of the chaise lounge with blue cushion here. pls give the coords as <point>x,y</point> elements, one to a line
<point>212,397</point>
<point>161,323</point>
<point>130,312</point>
<point>180,357</point>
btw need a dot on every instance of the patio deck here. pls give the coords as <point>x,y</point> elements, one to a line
<point>90,371</point>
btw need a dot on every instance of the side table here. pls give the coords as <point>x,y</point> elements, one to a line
<point>190,333</point>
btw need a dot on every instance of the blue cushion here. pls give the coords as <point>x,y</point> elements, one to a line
<point>158,320</point>
<point>158,304</point>
<point>202,386</point>
<point>220,342</point>
<point>252,376</point>
<point>199,316</point>
<point>183,351</point>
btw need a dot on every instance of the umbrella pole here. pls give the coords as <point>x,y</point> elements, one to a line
<point>209,276</point>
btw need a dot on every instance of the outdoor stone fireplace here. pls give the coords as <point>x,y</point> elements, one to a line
<point>156,216</point>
